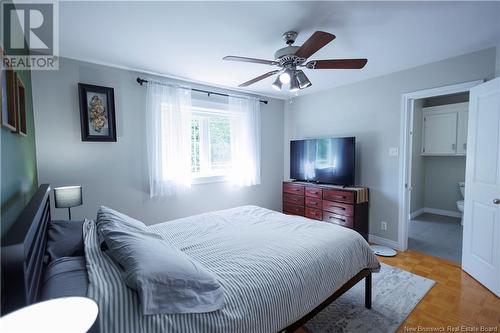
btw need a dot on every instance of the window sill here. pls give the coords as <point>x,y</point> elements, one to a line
<point>208,179</point>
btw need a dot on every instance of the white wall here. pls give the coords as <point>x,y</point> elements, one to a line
<point>114,174</point>
<point>371,110</point>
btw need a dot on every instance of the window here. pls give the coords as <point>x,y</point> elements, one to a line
<point>210,142</point>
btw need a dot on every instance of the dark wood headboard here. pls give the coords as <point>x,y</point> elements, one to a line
<point>23,251</point>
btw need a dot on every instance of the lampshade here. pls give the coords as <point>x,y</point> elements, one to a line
<point>277,84</point>
<point>65,314</point>
<point>294,84</point>
<point>303,80</point>
<point>68,196</point>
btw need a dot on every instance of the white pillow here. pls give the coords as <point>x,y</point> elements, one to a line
<point>166,279</point>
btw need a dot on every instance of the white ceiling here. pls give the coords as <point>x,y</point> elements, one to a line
<point>188,39</point>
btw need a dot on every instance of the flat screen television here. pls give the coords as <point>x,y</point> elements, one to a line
<point>329,161</point>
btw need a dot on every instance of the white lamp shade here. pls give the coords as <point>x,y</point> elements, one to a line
<point>67,197</point>
<point>64,315</point>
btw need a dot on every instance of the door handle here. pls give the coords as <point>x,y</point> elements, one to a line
<point>453,146</point>
<point>496,201</point>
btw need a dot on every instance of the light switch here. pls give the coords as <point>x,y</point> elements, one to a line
<point>393,151</point>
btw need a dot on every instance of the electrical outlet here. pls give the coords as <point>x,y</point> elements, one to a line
<point>383,225</point>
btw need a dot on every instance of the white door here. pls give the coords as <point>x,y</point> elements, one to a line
<point>440,134</point>
<point>481,233</point>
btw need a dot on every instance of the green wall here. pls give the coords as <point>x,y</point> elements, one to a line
<point>18,163</point>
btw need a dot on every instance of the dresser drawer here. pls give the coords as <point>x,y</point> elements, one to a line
<point>338,208</point>
<point>293,188</point>
<point>314,214</point>
<point>345,221</point>
<point>337,195</point>
<point>292,198</point>
<point>313,192</point>
<point>289,208</point>
<point>313,202</point>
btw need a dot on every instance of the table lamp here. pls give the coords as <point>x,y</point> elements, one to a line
<point>67,197</point>
<point>65,314</point>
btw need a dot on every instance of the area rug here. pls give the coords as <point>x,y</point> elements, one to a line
<point>395,294</point>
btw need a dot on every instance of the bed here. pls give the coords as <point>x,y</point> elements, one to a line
<point>277,271</point>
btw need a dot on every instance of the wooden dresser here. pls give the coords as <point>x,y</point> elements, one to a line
<point>347,207</point>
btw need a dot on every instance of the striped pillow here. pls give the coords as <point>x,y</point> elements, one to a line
<point>165,278</point>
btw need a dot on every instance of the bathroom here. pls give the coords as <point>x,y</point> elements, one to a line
<point>439,149</point>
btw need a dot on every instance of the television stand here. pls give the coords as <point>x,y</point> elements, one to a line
<point>342,205</point>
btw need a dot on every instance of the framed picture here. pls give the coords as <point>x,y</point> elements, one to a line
<point>21,107</point>
<point>97,113</point>
<point>8,78</point>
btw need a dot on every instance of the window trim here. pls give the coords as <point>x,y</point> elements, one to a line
<point>207,179</point>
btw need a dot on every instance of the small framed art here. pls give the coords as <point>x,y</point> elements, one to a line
<point>8,97</point>
<point>97,113</point>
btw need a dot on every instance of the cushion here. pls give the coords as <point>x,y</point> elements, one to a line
<point>165,278</point>
<point>65,277</point>
<point>65,239</point>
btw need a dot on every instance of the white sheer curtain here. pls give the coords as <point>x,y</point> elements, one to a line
<point>245,140</point>
<point>168,125</point>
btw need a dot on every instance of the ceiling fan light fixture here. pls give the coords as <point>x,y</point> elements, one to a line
<point>294,84</point>
<point>277,84</point>
<point>303,80</point>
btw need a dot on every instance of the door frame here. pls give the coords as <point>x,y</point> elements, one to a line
<point>405,142</point>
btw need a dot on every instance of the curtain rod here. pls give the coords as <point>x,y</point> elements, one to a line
<point>142,81</point>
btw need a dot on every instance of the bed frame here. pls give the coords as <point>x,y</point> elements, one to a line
<point>23,252</point>
<point>23,259</point>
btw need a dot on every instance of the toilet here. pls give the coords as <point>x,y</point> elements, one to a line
<point>460,203</point>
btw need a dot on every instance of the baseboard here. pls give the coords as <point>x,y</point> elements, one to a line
<point>443,212</point>
<point>384,241</point>
<point>416,213</point>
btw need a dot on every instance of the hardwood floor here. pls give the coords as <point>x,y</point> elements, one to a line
<point>455,300</point>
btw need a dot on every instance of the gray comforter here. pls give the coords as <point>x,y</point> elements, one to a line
<point>274,269</point>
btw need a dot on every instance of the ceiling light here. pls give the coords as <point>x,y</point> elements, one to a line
<point>303,80</point>
<point>294,84</point>
<point>277,84</point>
<point>286,76</point>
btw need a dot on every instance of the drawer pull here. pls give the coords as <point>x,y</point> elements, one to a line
<point>334,218</point>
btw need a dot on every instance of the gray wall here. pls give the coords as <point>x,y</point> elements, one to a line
<point>417,161</point>
<point>442,174</point>
<point>498,61</point>
<point>371,110</point>
<point>114,174</point>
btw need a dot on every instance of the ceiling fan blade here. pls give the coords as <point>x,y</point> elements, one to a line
<point>337,64</point>
<point>314,43</point>
<point>258,78</point>
<point>252,60</point>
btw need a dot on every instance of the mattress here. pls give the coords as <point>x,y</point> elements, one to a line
<point>274,269</point>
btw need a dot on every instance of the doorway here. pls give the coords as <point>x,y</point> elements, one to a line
<point>432,168</point>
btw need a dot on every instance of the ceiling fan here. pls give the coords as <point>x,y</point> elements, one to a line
<point>292,57</point>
